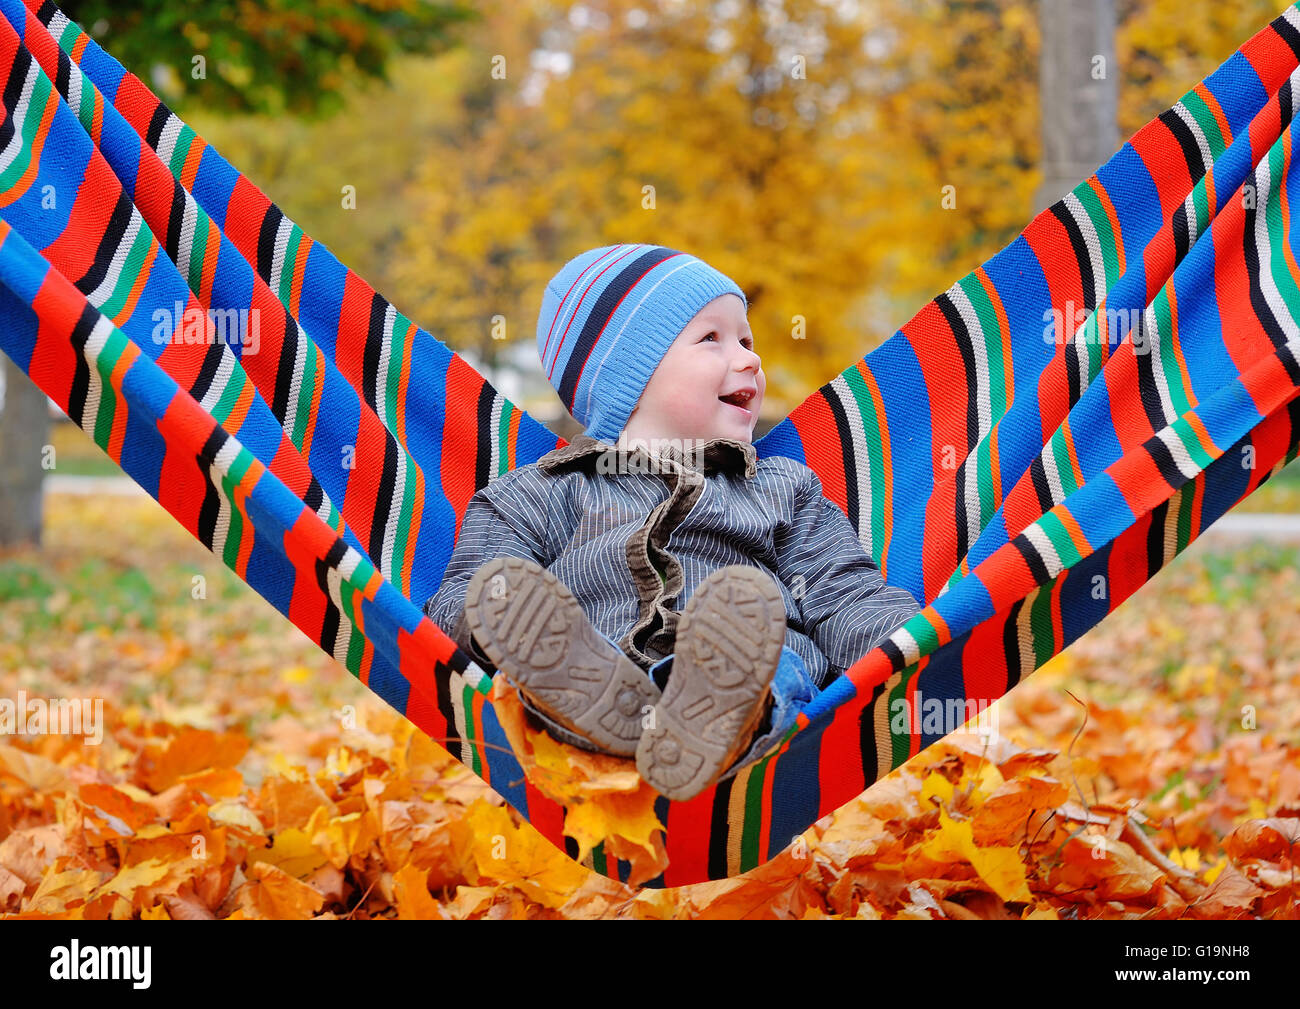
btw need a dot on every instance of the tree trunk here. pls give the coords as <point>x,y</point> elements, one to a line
<point>24,431</point>
<point>1078,93</point>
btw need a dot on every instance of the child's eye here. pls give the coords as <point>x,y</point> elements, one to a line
<point>747,342</point>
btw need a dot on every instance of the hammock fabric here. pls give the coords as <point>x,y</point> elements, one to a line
<point>1020,484</point>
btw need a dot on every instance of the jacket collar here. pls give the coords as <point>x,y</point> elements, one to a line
<point>727,455</point>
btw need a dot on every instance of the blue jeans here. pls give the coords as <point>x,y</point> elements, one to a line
<point>792,690</point>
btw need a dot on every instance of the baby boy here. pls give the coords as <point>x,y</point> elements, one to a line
<point>653,588</point>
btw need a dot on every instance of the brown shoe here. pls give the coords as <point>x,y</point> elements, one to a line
<point>532,628</point>
<point>729,641</point>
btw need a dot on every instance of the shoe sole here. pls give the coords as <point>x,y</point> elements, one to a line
<point>729,641</point>
<point>533,629</point>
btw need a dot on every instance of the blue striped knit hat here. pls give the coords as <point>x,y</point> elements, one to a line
<point>607,320</point>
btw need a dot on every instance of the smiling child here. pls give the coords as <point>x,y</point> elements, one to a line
<point>654,588</point>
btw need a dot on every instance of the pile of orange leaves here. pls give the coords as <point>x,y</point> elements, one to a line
<point>243,773</point>
<point>385,824</point>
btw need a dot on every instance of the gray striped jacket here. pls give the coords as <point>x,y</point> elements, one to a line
<point>603,517</point>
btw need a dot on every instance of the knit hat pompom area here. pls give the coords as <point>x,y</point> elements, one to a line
<point>607,320</point>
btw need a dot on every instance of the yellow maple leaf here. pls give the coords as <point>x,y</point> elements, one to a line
<point>135,882</point>
<point>614,817</point>
<point>59,890</point>
<point>999,866</point>
<point>936,784</point>
<point>604,797</point>
<point>411,894</point>
<point>988,780</point>
<point>505,853</point>
<point>293,851</point>
<point>341,837</point>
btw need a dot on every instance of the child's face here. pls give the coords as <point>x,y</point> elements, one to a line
<point>711,358</point>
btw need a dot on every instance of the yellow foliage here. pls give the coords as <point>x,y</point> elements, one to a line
<point>999,866</point>
<point>813,174</point>
<point>604,797</point>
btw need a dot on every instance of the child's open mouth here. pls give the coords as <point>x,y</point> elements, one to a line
<point>739,399</point>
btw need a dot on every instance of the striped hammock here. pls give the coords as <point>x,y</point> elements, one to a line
<point>1036,443</point>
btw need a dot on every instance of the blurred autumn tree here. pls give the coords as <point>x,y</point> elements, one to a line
<point>1166,46</point>
<point>290,56</point>
<point>715,129</point>
<point>800,146</point>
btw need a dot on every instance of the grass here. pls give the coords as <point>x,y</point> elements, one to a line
<point>75,454</point>
<point>121,572</point>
